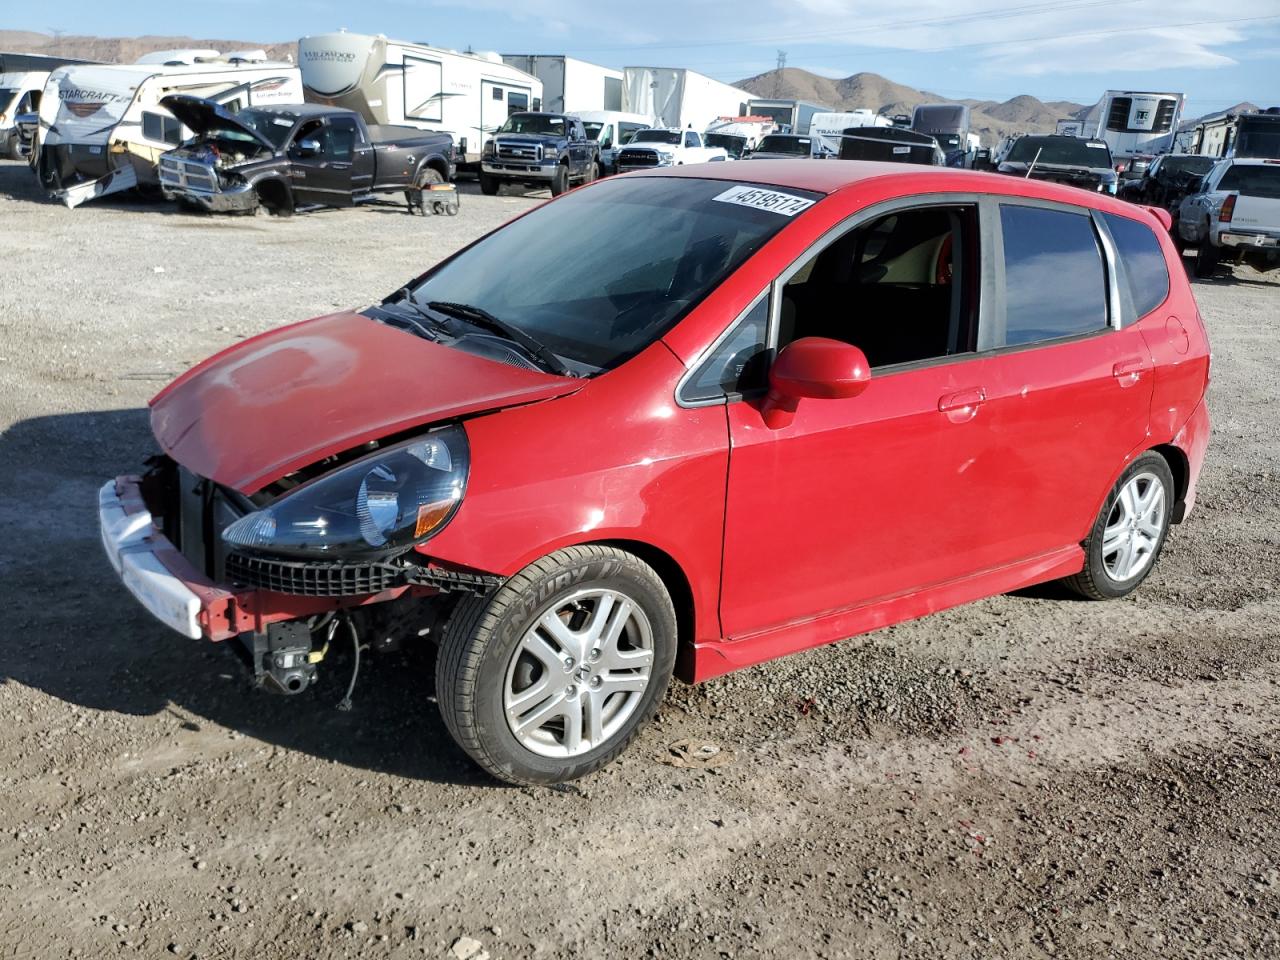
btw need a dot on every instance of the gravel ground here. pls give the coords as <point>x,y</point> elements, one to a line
<point>1029,775</point>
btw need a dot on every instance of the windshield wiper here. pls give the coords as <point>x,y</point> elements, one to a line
<point>480,317</point>
<point>430,330</point>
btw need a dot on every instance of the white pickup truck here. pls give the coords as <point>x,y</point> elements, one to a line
<point>1234,215</point>
<point>657,147</point>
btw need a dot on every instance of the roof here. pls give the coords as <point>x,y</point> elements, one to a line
<point>831,176</point>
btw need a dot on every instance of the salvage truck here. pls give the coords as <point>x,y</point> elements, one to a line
<point>539,150</point>
<point>301,155</point>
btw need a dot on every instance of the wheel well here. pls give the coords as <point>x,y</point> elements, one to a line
<point>440,167</point>
<point>1181,471</point>
<point>274,194</point>
<point>677,584</point>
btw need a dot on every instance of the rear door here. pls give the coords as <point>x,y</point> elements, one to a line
<point>1071,380</point>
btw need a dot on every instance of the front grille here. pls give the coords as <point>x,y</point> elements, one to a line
<point>185,175</point>
<point>517,151</point>
<point>638,158</point>
<point>312,579</point>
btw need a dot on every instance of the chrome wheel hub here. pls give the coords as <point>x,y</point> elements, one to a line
<point>579,673</point>
<point>1134,527</point>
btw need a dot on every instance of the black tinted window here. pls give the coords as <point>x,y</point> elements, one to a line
<point>738,364</point>
<point>1055,285</point>
<point>1143,262</point>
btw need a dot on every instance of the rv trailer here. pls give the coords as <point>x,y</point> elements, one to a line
<point>397,83</point>
<point>569,85</point>
<point>22,80</point>
<point>1253,136</point>
<point>1135,122</point>
<point>680,99</point>
<point>102,129</point>
<point>830,127</point>
<point>791,116</point>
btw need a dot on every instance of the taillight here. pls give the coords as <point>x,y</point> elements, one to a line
<point>1228,209</point>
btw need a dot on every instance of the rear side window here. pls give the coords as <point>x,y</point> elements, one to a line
<point>1055,283</point>
<point>1143,260</point>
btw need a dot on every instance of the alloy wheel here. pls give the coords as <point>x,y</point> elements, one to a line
<point>1134,528</point>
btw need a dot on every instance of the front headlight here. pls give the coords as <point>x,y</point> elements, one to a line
<point>374,507</point>
<point>666,155</point>
<point>487,150</point>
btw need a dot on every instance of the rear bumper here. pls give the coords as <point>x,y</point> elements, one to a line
<point>1192,440</point>
<point>1249,239</point>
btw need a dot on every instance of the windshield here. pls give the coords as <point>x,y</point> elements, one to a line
<point>1066,150</point>
<point>728,142</point>
<point>537,123</point>
<point>631,257</point>
<point>1196,165</point>
<point>1252,181</point>
<point>943,119</point>
<point>593,128</point>
<point>794,146</point>
<point>272,124</point>
<point>656,136</point>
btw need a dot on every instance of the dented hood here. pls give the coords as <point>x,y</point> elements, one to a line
<point>287,398</point>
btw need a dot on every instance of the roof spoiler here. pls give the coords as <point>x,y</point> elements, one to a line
<point>1161,214</point>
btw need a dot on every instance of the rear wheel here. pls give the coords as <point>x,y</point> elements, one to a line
<point>551,677</point>
<point>1126,539</point>
<point>489,185</point>
<point>1206,259</point>
<point>593,172</point>
<point>560,182</point>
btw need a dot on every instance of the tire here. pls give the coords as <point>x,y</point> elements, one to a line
<point>1206,259</point>
<point>495,650</point>
<point>560,182</point>
<point>489,185</point>
<point>593,172</point>
<point>1103,580</point>
<point>417,198</point>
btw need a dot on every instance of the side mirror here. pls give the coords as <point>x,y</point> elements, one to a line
<point>817,368</point>
<point>308,148</point>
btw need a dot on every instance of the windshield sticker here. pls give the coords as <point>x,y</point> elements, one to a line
<point>759,199</point>
<point>282,122</point>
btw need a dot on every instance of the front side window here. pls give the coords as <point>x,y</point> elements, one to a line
<point>691,140</point>
<point>1144,262</point>
<point>738,364</point>
<point>344,135</point>
<point>631,258</point>
<point>902,288</point>
<point>1055,283</point>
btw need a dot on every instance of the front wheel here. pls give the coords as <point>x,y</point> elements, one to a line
<point>489,185</point>
<point>1126,539</point>
<point>550,678</point>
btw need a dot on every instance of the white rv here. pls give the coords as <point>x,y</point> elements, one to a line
<point>829,127</point>
<point>680,99</point>
<point>22,80</point>
<point>411,84</point>
<point>1135,122</point>
<point>569,85</point>
<point>102,128</point>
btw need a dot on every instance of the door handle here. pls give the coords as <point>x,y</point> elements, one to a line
<point>1128,372</point>
<point>963,406</point>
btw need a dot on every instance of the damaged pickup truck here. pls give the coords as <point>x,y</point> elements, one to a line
<point>288,157</point>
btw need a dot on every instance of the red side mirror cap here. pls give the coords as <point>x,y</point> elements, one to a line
<point>814,367</point>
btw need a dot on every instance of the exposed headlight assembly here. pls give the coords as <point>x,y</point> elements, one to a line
<point>374,507</point>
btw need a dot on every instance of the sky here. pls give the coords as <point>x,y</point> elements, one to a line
<point>1217,53</point>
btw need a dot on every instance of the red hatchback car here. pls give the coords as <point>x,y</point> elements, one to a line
<point>679,423</point>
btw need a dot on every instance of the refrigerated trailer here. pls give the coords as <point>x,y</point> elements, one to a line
<point>570,85</point>
<point>1135,122</point>
<point>680,99</point>
<point>412,84</point>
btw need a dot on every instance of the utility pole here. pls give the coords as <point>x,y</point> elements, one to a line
<point>777,76</point>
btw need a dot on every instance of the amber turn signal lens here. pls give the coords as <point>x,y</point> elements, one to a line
<point>430,516</point>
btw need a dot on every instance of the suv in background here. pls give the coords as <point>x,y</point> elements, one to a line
<point>539,150</point>
<point>1070,160</point>
<point>1234,215</point>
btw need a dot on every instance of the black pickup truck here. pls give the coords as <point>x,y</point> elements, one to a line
<point>539,150</point>
<point>287,157</point>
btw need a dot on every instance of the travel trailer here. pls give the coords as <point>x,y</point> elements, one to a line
<point>569,85</point>
<point>411,84</point>
<point>830,127</point>
<point>791,116</point>
<point>22,80</point>
<point>1243,135</point>
<point>101,127</point>
<point>680,99</point>
<point>1135,122</point>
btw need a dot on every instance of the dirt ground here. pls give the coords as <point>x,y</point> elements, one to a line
<point>1030,775</point>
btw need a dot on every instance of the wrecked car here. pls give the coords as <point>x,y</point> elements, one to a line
<point>293,156</point>
<point>718,421</point>
<point>1069,160</point>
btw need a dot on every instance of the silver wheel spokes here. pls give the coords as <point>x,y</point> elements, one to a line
<point>578,673</point>
<point>1134,527</point>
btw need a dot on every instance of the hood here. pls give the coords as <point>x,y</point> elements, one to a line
<point>283,400</point>
<point>201,115</point>
<point>529,137</point>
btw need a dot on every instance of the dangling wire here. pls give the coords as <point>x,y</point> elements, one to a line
<point>345,703</point>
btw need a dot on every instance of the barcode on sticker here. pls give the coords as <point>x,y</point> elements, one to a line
<point>759,199</point>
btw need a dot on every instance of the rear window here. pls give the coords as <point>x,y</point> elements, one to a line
<point>1144,262</point>
<point>1260,181</point>
<point>1055,284</point>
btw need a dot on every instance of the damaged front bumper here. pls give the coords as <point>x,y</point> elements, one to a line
<point>238,198</point>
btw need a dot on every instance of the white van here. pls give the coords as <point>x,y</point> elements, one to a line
<point>613,130</point>
<point>102,129</point>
